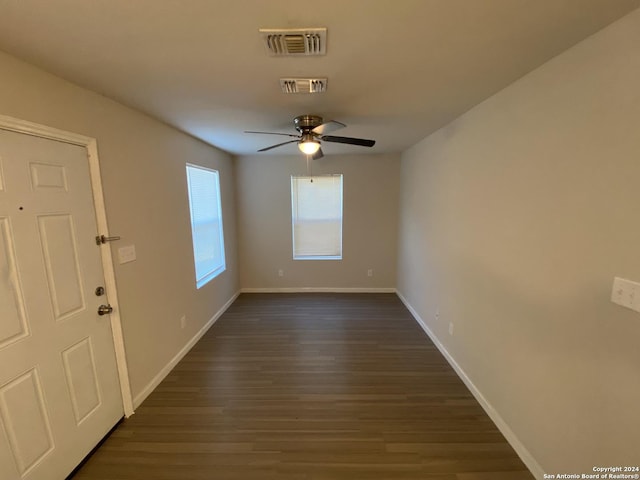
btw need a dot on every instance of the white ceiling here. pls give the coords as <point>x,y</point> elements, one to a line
<point>397,69</point>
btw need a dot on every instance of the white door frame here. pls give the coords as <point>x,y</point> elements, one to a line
<point>90,144</point>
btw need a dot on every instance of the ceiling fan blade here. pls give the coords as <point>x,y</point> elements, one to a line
<point>277,145</point>
<point>351,141</point>
<point>274,133</point>
<point>328,127</point>
<point>317,155</point>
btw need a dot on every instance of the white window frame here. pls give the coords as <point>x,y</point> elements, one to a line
<point>202,278</point>
<point>297,256</point>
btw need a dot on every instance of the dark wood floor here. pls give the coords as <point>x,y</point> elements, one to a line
<point>309,387</point>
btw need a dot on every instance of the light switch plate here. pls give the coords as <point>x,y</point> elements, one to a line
<point>635,297</point>
<point>618,291</point>
<point>127,254</point>
<point>626,293</point>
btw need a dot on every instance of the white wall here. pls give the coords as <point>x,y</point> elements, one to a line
<point>370,218</point>
<point>143,171</point>
<point>514,220</point>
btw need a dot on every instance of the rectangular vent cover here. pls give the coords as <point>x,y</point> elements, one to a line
<point>303,85</point>
<point>295,41</point>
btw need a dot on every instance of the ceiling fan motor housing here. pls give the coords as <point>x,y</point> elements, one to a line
<point>304,123</point>
<point>311,131</point>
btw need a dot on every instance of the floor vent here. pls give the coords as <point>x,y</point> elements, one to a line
<point>295,42</point>
<point>303,85</point>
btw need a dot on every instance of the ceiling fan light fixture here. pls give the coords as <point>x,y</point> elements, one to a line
<point>308,147</point>
<point>311,130</point>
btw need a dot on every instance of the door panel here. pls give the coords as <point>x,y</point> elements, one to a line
<point>82,379</point>
<point>44,176</point>
<point>59,388</point>
<point>14,323</point>
<point>57,237</point>
<point>26,421</point>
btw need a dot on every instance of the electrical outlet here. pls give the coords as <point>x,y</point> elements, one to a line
<point>183,321</point>
<point>450,328</point>
<point>281,273</point>
<point>370,272</point>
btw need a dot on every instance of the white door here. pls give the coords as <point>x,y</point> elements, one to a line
<point>59,389</point>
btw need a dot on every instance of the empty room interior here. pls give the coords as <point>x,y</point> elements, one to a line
<point>354,239</point>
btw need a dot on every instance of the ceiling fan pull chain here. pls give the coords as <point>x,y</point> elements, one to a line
<point>309,170</point>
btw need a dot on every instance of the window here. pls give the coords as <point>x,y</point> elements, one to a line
<point>206,223</point>
<point>316,208</point>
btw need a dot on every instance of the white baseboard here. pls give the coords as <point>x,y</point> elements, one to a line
<point>318,290</point>
<point>504,428</point>
<point>146,391</point>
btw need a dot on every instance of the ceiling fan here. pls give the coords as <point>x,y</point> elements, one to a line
<point>312,131</point>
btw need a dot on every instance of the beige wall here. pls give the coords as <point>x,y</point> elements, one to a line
<point>143,171</point>
<point>514,220</point>
<point>370,209</point>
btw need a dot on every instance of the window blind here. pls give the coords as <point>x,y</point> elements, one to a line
<point>316,205</point>
<point>206,223</point>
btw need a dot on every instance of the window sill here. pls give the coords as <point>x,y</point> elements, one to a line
<point>318,257</point>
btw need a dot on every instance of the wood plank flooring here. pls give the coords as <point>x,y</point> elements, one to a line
<point>309,387</point>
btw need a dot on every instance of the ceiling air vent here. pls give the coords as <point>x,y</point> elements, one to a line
<point>295,41</point>
<point>303,85</point>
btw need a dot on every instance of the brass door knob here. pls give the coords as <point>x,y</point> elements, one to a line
<point>105,309</point>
